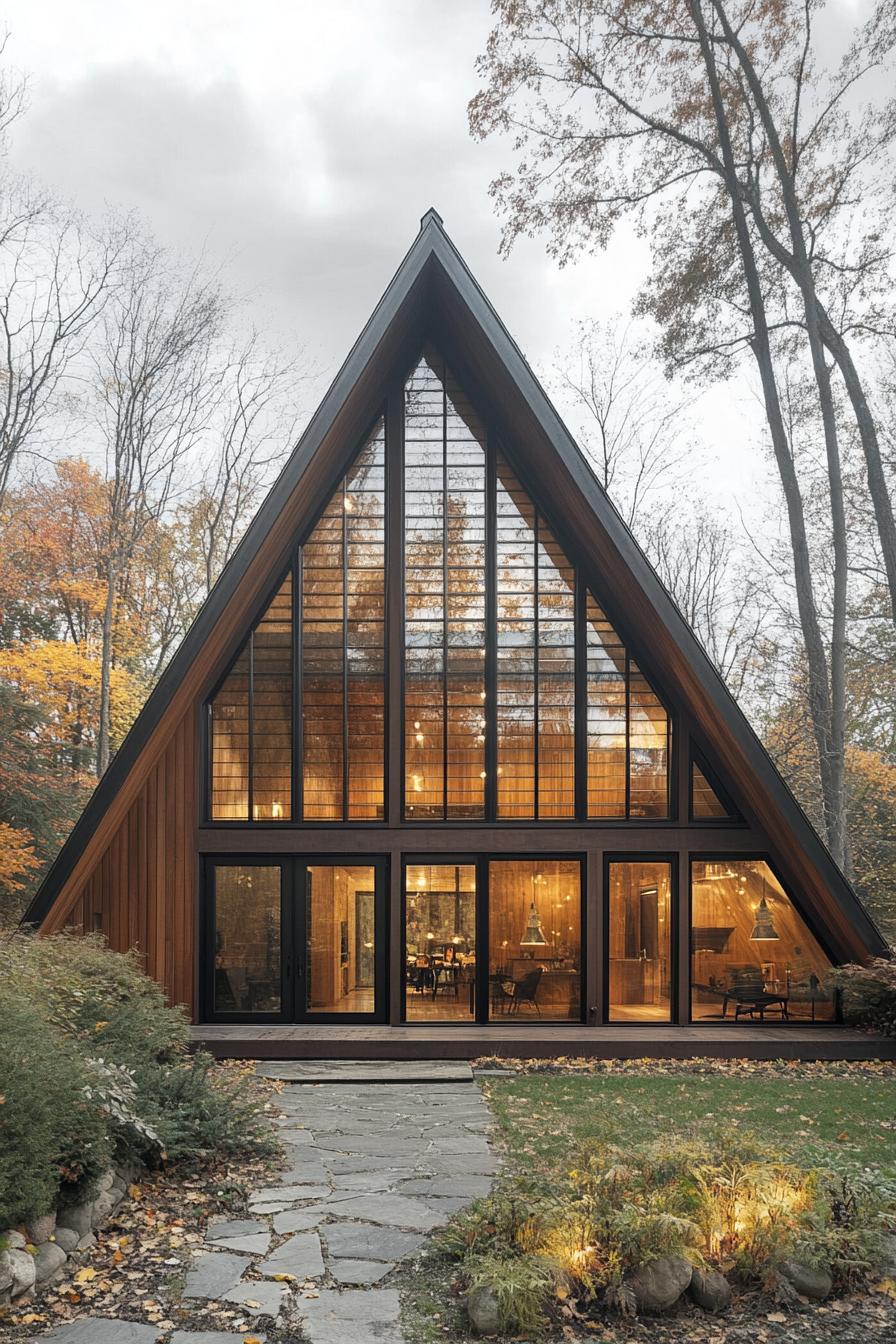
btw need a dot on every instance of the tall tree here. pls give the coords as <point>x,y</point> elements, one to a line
<point>155,398</point>
<point>618,107</point>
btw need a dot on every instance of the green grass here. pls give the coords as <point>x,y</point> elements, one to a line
<point>839,1116</point>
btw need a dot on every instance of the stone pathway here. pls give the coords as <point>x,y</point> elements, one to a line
<point>371,1169</point>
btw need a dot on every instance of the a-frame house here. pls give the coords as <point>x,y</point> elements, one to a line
<point>440,752</point>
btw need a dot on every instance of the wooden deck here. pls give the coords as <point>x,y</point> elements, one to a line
<point>471,1042</point>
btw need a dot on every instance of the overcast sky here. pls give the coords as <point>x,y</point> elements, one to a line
<point>303,141</point>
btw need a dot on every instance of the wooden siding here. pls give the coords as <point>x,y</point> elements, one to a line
<point>142,891</point>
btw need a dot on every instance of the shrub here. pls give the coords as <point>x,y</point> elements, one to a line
<point>197,1111</point>
<point>523,1286</point>
<point>726,1200</point>
<point>869,994</point>
<point>94,1066</point>
<point>53,1137</point>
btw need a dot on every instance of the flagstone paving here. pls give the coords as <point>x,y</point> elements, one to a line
<point>370,1169</point>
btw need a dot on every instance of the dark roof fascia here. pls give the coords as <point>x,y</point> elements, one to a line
<point>411,273</point>
<point>732,716</point>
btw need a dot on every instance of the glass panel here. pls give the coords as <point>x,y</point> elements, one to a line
<point>706,805</point>
<point>247,939</point>
<point>444,478</point>
<point>535,944</point>
<point>535,589</point>
<point>230,744</point>
<point>628,729</point>
<point>440,942</point>
<point>272,709</point>
<point>752,957</point>
<point>606,663</point>
<point>343,646</point>
<point>257,690</point>
<point>640,941</point>
<point>648,755</point>
<point>341,939</point>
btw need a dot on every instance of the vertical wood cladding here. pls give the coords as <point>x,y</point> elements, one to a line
<point>141,892</point>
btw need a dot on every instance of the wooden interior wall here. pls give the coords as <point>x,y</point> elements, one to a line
<point>141,893</point>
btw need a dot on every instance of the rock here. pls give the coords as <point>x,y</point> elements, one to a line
<point>67,1238</point>
<point>360,1271</point>
<point>100,1330</point>
<point>659,1284</point>
<point>710,1290</point>
<point>41,1229</point>
<point>14,1240</point>
<point>77,1217</point>
<point>808,1282</point>
<point>5,1275</point>
<point>104,1204</point>
<point>48,1260</point>
<point>483,1310</point>
<point>887,1265</point>
<point>18,1267</point>
<point>106,1181</point>
<point>85,1242</point>
<point>300,1256</point>
<point>215,1272</point>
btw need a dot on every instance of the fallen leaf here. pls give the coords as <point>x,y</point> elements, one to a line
<point>85,1275</point>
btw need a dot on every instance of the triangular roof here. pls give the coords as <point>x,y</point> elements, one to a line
<point>433,295</point>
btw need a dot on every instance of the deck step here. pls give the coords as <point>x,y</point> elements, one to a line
<point>366,1071</point>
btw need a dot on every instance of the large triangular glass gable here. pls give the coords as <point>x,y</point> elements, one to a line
<point>522,689</point>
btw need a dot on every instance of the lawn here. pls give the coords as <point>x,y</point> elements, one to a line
<point>818,1114</point>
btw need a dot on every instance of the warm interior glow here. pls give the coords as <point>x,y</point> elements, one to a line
<point>440,942</point>
<point>340,924</point>
<point>531,979</point>
<point>343,647</point>
<point>737,976</point>
<point>640,941</point>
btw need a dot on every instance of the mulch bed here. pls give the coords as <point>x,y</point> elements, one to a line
<point>136,1269</point>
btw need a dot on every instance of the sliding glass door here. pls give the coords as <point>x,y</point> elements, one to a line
<point>290,941</point>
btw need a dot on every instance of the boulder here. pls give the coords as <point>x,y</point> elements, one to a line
<point>808,1282</point>
<point>710,1290</point>
<point>659,1284</point>
<point>483,1311</point>
<point>18,1267</point>
<point>106,1202</point>
<point>5,1275</point>
<point>41,1229</point>
<point>48,1260</point>
<point>77,1217</point>
<point>14,1240</point>
<point>67,1238</point>
<point>887,1264</point>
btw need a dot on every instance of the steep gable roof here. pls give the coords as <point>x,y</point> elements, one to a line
<point>433,295</point>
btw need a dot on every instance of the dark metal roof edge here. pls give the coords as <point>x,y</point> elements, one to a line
<point>408,273</point>
<point>662,601</point>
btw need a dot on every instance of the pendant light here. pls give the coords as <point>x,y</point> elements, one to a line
<point>533,936</point>
<point>764,930</point>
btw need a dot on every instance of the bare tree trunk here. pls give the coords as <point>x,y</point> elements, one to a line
<point>105,715</point>
<point>821,332</point>
<point>819,692</point>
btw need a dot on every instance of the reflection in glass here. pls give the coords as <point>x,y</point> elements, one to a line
<point>341,938</point>
<point>628,729</point>
<point>440,942</point>
<point>535,660</point>
<point>258,691</point>
<point>444,548</point>
<point>752,957</point>
<point>343,646</point>
<point>247,939</point>
<point>640,941</point>
<point>535,944</point>
<point>706,805</point>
